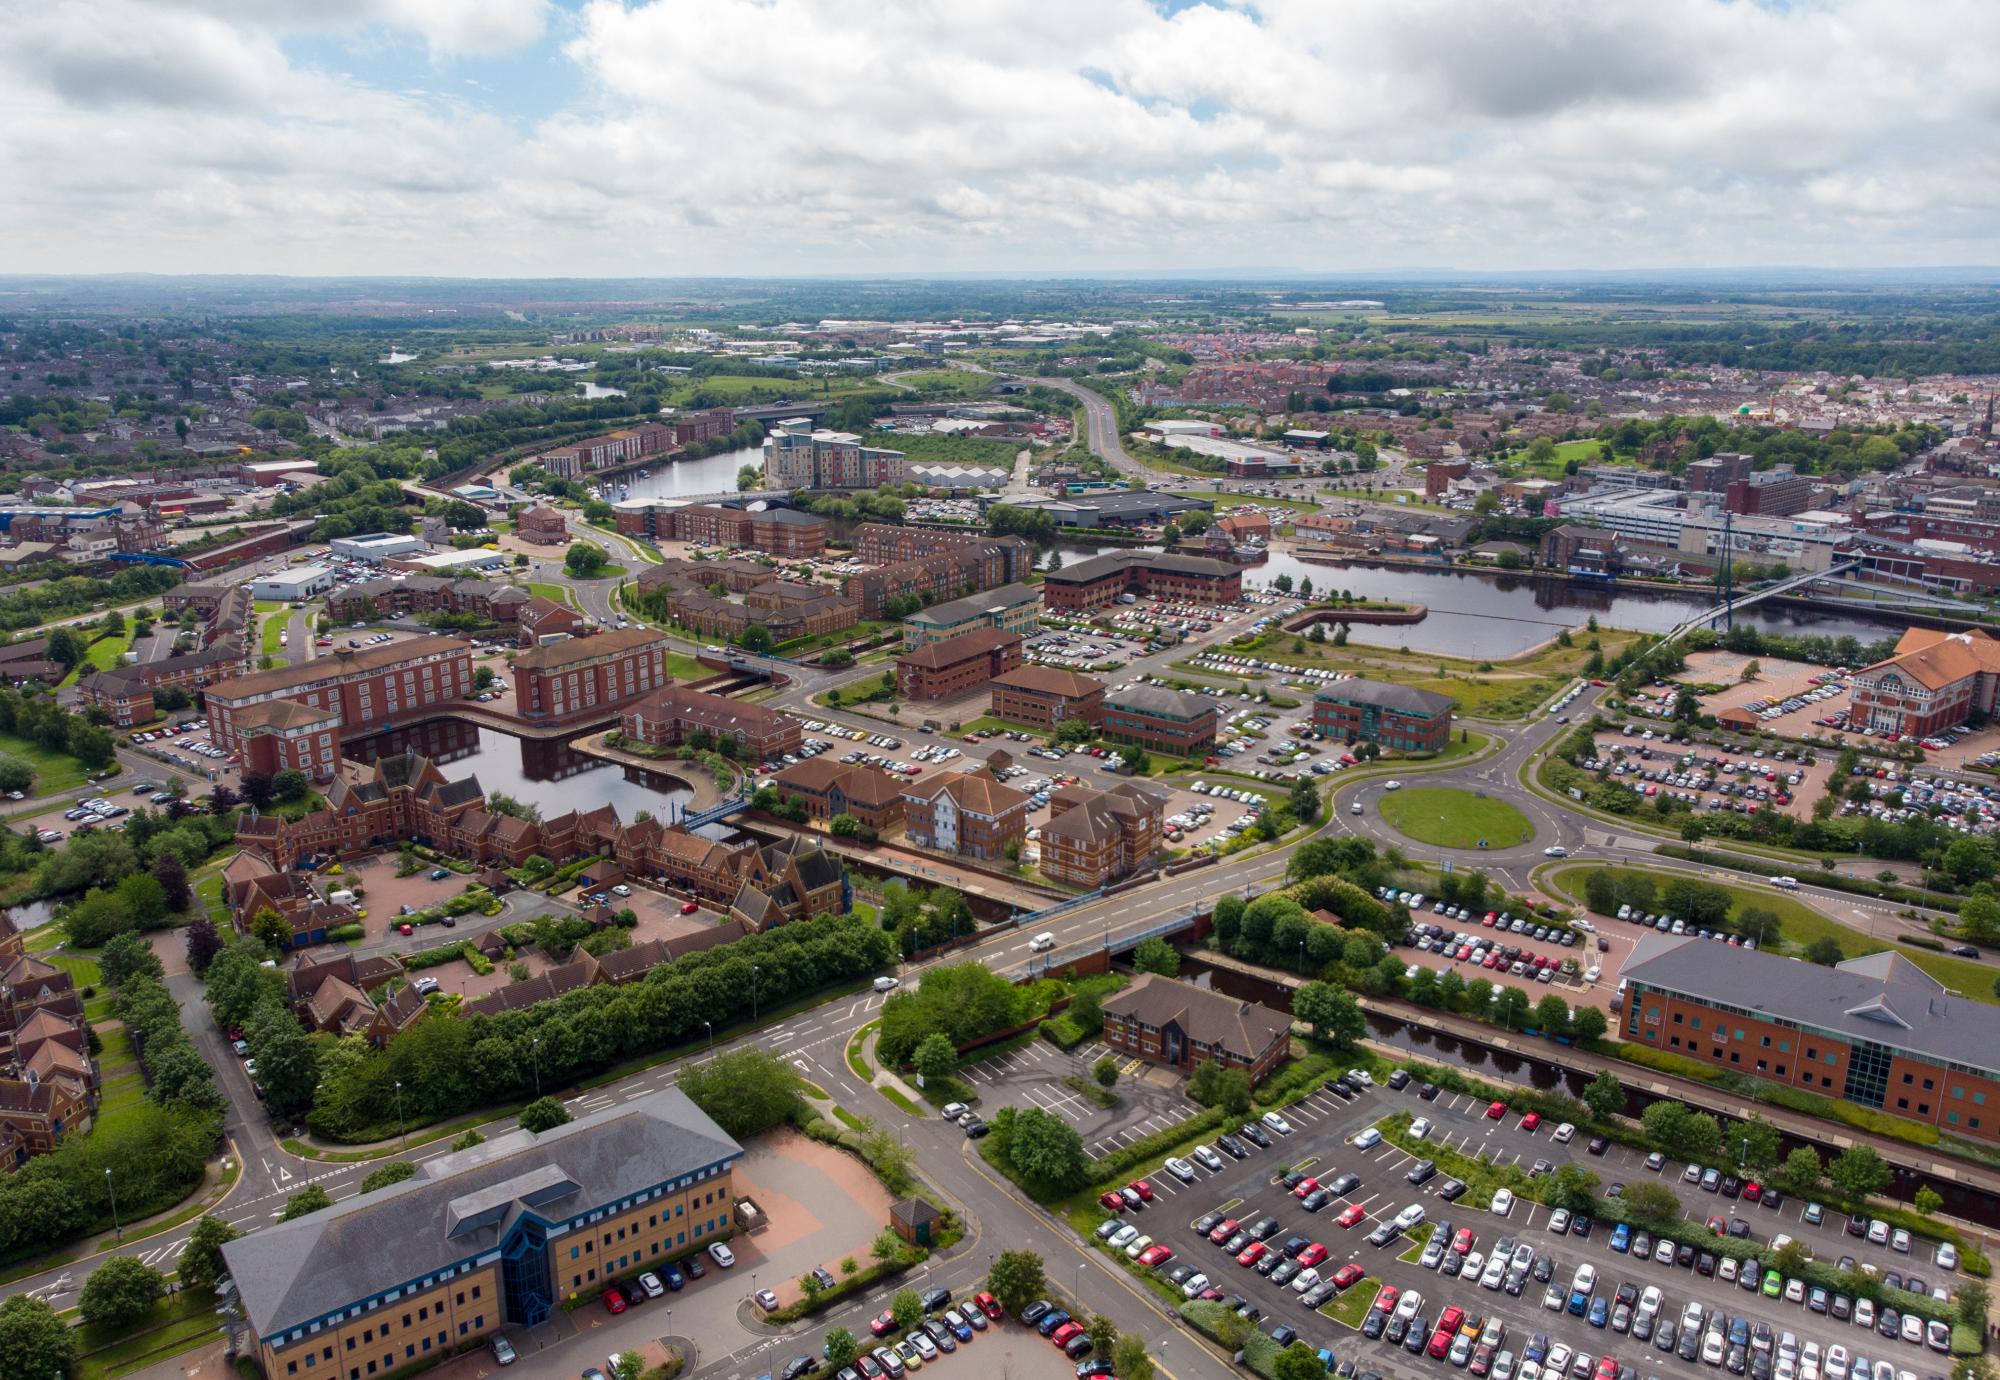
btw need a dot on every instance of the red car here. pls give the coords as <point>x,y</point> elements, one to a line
<point>1312,1255</point>
<point>1062,1334</point>
<point>1496,1110</point>
<point>1350,1215</point>
<point>1462,1242</point>
<point>988,1305</point>
<point>1252,1253</point>
<point>1440,1343</point>
<point>1305,1186</point>
<point>1607,1368</point>
<point>868,1366</point>
<point>1348,1275</point>
<point>882,1324</point>
<point>1143,1189</point>
<point>405,929</point>
<point>1224,1229</point>
<point>614,1301</point>
<point>1156,1255</point>
<point>1532,1122</point>
<point>1110,1199</point>
<point>689,907</point>
<point>1385,1298</point>
<point>1752,1191</point>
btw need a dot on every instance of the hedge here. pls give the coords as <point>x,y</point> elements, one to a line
<point>1220,1324</point>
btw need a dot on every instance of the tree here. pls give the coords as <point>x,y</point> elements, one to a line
<point>1510,1007</point>
<point>906,1308</point>
<point>1973,1298</point>
<point>468,1140</point>
<point>1305,800</point>
<point>271,929</point>
<point>1298,1362</point>
<point>1927,1201</point>
<point>1605,1096</point>
<point>843,826</point>
<point>1129,1360</point>
<point>1681,1131</point>
<point>1979,916</point>
<point>1857,1172</point>
<point>1047,1149</point>
<point>585,560</point>
<point>841,1348</point>
<point>1790,1259</point>
<point>287,1060</point>
<point>1753,1144</point>
<point>1824,951</point>
<point>120,1292</point>
<point>171,873</point>
<point>935,1056</point>
<point>33,1340</point>
<point>1105,1071</point>
<point>1552,1015</point>
<point>311,1198</point>
<point>543,1114</point>
<point>1016,1279</point>
<point>1571,1187</point>
<point>1758,923</point>
<point>201,1262</point>
<point>394,1172</point>
<point>125,955</point>
<point>1800,1174</point>
<point>1103,1334</point>
<point>1968,859</point>
<point>1588,1024</point>
<point>1156,955</point>
<point>1652,1203</point>
<point>1333,1014</point>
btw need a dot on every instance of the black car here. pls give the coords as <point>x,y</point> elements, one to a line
<point>1667,1335</point>
<point>1917,1284</point>
<point>1731,1185</point>
<point>1374,1325</point>
<point>1353,1081</point>
<point>1684,1255</point>
<point>1419,1335</point>
<point>1889,1322</point>
<point>1452,1263</point>
<point>694,1267</point>
<point>1282,1272</point>
<point>1254,1133</point>
<point>1857,1225</point>
<point>1293,1179</point>
<point>1078,1346</point>
<point>1428,1092</point>
<point>1399,1328</point>
<point>1423,1171</point>
<point>1206,1223</point>
<point>1545,1269</point>
<point>1750,1277</point>
<point>799,1367</point>
<point>1346,1183</point>
<point>976,1129</point>
<point>1598,1145</point>
<point>1340,1090</point>
<point>1293,1245</point>
<point>1283,1335</point>
<point>1962,950</point>
<point>1315,1200</point>
<point>1580,1225</point>
<point>1231,1147</point>
<point>934,1299</point>
<point>1400,1079</point>
<point>1263,1229</point>
<point>1236,1243</point>
<point>1179,1273</point>
<point>1772,1199</point>
<point>1690,1346</point>
<point>1704,1263</point>
<point>1249,1312</point>
<point>1452,1190</point>
<point>1035,1312</point>
<point>1739,1228</point>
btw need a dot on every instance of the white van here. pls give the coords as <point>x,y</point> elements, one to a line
<point>1042,942</point>
<point>341,898</point>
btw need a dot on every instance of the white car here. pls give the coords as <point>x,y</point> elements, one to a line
<point>1552,1298</point>
<point>1559,1221</point>
<point>1947,1256</point>
<point>1409,1305</point>
<point>1123,1235</point>
<point>1495,1271</point>
<point>1421,1128</point>
<point>1712,1348</point>
<point>1410,1216</point>
<point>721,1254</point>
<point>1181,1169</point>
<point>1195,1284</point>
<point>1565,1133</point>
<point>1284,1128</point>
<point>953,1111</point>
<point>1584,1281</point>
<point>1367,1139</point>
<point>1503,1201</point>
<point>1304,1280</point>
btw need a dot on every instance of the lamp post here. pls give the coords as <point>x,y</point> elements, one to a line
<point>753,992</point>
<point>535,1054</point>
<point>402,1134</point>
<point>1076,1288</point>
<point>711,1038</point>
<point>114,1204</point>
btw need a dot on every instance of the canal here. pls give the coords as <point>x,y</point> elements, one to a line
<point>714,474</point>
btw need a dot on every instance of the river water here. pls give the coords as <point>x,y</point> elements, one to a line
<point>552,776</point>
<point>715,474</point>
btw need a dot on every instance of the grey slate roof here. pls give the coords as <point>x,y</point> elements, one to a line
<point>461,1205</point>
<point>1891,1003</point>
<point>1385,695</point>
<point>958,610</point>
<point>1157,700</point>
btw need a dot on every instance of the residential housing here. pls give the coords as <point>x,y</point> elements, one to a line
<point>798,455</point>
<point>1165,1021</point>
<point>125,692</point>
<point>494,1236</point>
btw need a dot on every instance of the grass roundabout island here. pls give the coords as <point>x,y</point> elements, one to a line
<point>1447,817</point>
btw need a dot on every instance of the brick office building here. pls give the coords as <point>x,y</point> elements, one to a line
<point>1934,681</point>
<point>1877,1031</point>
<point>784,532</point>
<point>1010,608</point>
<point>968,813</point>
<point>428,594</point>
<point>945,670</point>
<point>951,572</point>
<point>1389,716</point>
<point>667,717</point>
<point>288,735</point>
<point>486,1238</point>
<point>1180,1025</point>
<point>711,524</point>
<point>1042,696</point>
<point>589,675</point>
<point>788,533</point>
<point>1094,837</point>
<point>542,525</point>
<point>1101,580</point>
<point>366,687</point>
<point>880,543</point>
<point>1160,720</point>
<point>829,788</point>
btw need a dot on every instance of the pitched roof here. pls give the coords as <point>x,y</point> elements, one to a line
<point>973,605</point>
<point>1384,695</point>
<point>973,790</point>
<point>463,1205</point>
<point>1154,699</point>
<point>952,650</point>
<point>1206,1017</point>
<point>613,643</point>
<point>1048,680</point>
<point>345,661</point>
<point>1936,659</point>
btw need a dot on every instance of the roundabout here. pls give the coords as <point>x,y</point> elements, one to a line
<point>1450,817</point>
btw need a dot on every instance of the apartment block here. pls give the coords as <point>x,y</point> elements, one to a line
<point>607,451</point>
<point>126,692</point>
<point>364,687</point>
<point>589,675</point>
<point>798,455</point>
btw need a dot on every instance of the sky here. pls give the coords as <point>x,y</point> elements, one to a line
<point>794,137</point>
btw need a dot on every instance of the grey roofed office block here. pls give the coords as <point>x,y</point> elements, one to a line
<point>459,1207</point>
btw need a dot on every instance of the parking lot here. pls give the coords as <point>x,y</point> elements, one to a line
<point>1032,1077</point>
<point>1251,1190</point>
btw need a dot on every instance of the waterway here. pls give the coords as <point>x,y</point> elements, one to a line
<point>714,474</point>
<point>551,775</point>
<point>1491,617</point>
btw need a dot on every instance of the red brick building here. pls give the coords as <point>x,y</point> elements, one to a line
<point>945,670</point>
<point>1160,720</point>
<point>1042,697</point>
<point>667,717</point>
<point>1094,837</point>
<point>788,533</point>
<point>589,675</point>
<point>827,789</point>
<point>1180,1025</point>
<point>611,449</point>
<point>287,735</point>
<point>1101,580</point>
<point>711,524</point>
<point>542,525</point>
<point>1440,475</point>
<point>366,687</point>
<point>126,692</point>
<point>1935,680</point>
<point>969,813</point>
<point>782,532</point>
<point>540,618</point>
<point>1399,717</point>
<point>502,603</point>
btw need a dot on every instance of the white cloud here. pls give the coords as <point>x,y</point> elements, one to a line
<point>789,136</point>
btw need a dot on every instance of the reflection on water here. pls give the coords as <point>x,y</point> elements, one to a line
<point>551,775</point>
<point>715,474</point>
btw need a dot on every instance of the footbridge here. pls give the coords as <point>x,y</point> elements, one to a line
<point>1728,607</point>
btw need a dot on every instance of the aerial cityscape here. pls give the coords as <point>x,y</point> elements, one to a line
<point>1168,691</point>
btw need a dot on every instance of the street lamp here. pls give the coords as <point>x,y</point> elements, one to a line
<point>753,992</point>
<point>114,1204</point>
<point>402,1134</point>
<point>711,1038</point>
<point>1076,1288</point>
<point>535,1054</point>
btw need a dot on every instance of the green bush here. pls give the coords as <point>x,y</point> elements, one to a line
<point>1064,1033</point>
<point>344,933</point>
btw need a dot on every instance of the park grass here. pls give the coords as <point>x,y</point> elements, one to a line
<point>1351,1308</point>
<point>1467,744</point>
<point>54,771</point>
<point>103,654</point>
<point>555,594</point>
<point>175,1325</point>
<point>962,383</point>
<point>274,624</point>
<point>1448,817</point>
<point>1409,498</point>
<point>681,666</point>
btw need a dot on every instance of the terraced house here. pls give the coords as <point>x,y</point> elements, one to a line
<point>486,1238</point>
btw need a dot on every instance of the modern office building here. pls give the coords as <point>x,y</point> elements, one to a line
<point>1164,1021</point>
<point>666,718</point>
<point>958,665</point>
<point>1160,720</point>
<point>1094,837</point>
<point>1935,680</point>
<point>486,1238</point>
<point>1010,608</point>
<point>589,675</point>
<point>1876,1031</point>
<point>378,546</point>
<point>1103,580</point>
<point>366,688</point>
<point>1398,717</point>
<point>293,583</point>
<point>968,813</point>
<point>1043,696</point>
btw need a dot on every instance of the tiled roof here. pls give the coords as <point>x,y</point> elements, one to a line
<point>1048,680</point>
<point>952,650</point>
<point>1243,1028</point>
<point>605,644</point>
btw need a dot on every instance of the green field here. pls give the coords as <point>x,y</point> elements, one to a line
<point>274,624</point>
<point>1447,817</point>
<point>1351,1308</point>
<point>555,594</point>
<point>961,383</point>
<point>54,771</point>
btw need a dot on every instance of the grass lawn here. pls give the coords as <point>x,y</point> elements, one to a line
<point>681,666</point>
<point>1465,745</point>
<point>175,1325</point>
<point>1388,496</point>
<point>83,970</point>
<point>961,383</point>
<point>1451,818</point>
<point>54,771</point>
<point>1351,1307</point>
<point>101,655</point>
<point>274,625</point>
<point>555,594</point>
<point>1483,689</point>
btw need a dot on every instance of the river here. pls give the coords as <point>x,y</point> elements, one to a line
<point>1491,617</point>
<point>552,776</point>
<point>714,474</point>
